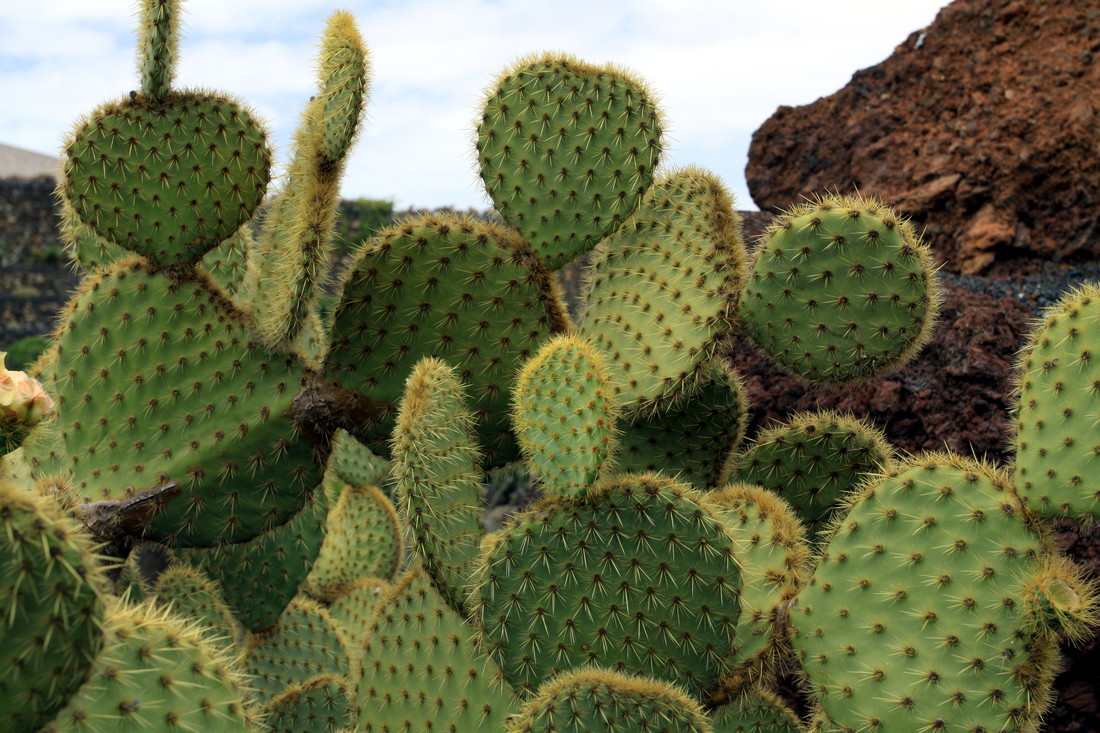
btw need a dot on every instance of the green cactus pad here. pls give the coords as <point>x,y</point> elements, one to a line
<point>774,558</point>
<point>913,619</point>
<point>464,291</point>
<point>305,643</point>
<point>638,575</point>
<point>344,73</point>
<point>51,613</point>
<point>603,701</point>
<point>661,292</point>
<point>354,610</point>
<point>352,463</point>
<point>564,415</point>
<point>1057,437</point>
<point>437,477</point>
<point>758,711</point>
<point>260,577</point>
<point>813,460</point>
<point>566,151</point>
<point>168,178</point>
<point>841,291</point>
<point>156,673</point>
<point>320,705</point>
<point>421,669</point>
<point>364,538</point>
<point>158,384</point>
<point>693,434</point>
<point>193,596</point>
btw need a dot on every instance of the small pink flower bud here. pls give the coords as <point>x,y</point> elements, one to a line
<point>23,402</point>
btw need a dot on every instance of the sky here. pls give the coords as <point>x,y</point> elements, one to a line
<point>720,69</point>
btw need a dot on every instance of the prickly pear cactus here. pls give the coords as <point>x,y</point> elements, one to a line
<point>1057,440</point>
<point>841,290</point>
<point>914,618</point>
<point>566,150</point>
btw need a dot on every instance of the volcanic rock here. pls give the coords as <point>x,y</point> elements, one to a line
<point>984,127</point>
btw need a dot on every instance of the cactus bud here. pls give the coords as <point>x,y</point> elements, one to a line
<point>23,404</point>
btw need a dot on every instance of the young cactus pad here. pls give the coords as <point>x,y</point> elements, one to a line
<point>564,415</point>
<point>913,619</point>
<point>661,292</point>
<point>566,151</point>
<point>638,575</point>
<point>1057,437</point>
<point>841,290</point>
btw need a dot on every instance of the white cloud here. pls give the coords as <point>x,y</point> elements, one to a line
<point>720,68</point>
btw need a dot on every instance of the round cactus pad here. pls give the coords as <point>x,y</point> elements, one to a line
<point>841,290</point>
<point>168,178</point>
<point>913,619</point>
<point>637,575</point>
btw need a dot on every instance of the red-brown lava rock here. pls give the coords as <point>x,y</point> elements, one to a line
<point>984,127</point>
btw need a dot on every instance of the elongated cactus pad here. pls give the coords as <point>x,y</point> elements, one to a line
<point>603,701</point>
<point>841,290</point>
<point>813,460</point>
<point>350,462</point>
<point>1057,437</point>
<point>913,619</point>
<point>437,477</point>
<point>260,577</point>
<point>156,673</point>
<point>364,538</point>
<point>421,670</point>
<point>51,612</point>
<point>564,415</point>
<point>692,434</point>
<point>464,291</point>
<point>774,558</point>
<point>159,385</point>
<point>566,151</point>
<point>168,178</point>
<point>638,575</point>
<point>304,644</point>
<point>662,289</point>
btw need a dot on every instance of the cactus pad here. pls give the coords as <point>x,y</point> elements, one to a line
<point>693,434</point>
<point>1057,438</point>
<point>564,415</point>
<point>190,594</point>
<point>461,290</point>
<point>354,610</point>
<point>602,701</point>
<point>350,462</point>
<point>637,575</point>
<point>50,609</point>
<point>304,644</point>
<point>913,619</point>
<point>437,476</point>
<point>566,151</point>
<point>319,705</point>
<point>662,289</point>
<point>364,538</point>
<point>813,460</point>
<point>158,384</point>
<point>260,577</point>
<point>841,290</point>
<point>167,178</point>
<point>756,712</point>
<point>421,670</point>
<point>156,673</point>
